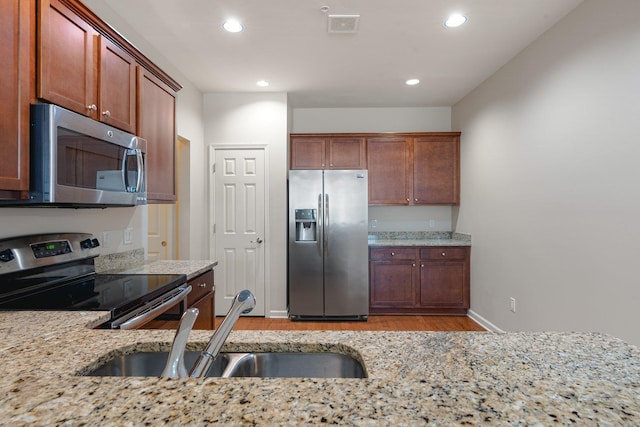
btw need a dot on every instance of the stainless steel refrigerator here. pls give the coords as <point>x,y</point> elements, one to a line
<point>328,250</point>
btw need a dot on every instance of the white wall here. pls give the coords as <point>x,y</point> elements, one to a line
<point>259,118</point>
<point>550,178</point>
<point>427,119</point>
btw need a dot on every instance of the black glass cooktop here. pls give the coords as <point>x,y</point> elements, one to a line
<point>117,293</point>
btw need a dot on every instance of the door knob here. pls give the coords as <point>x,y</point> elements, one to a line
<point>164,243</point>
<point>258,240</point>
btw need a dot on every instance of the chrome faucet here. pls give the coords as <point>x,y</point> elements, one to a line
<point>243,303</point>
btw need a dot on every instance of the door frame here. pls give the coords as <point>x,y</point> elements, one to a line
<point>212,148</point>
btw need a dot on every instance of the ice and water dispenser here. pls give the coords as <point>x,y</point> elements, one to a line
<point>306,222</point>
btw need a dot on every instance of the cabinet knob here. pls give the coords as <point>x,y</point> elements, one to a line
<point>408,199</point>
<point>421,265</point>
<point>415,200</point>
<point>444,254</point>
<point>92,107</point>
<point>106,113</point>
<point>393,254</point>
<point>413,265</point>
<point>202,285</point>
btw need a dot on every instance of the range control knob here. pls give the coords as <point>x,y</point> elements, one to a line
<point>95,243</point>
<point>6,255</point>
<point>86,244</point>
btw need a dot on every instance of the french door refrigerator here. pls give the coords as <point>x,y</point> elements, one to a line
<point>328,258</point>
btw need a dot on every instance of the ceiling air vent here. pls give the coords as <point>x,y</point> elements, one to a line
<point>343,24</point>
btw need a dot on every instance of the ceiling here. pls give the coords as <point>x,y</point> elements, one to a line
<point>286,43</point>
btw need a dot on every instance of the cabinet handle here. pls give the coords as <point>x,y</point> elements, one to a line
<point>202,285</point>
<point>92,107</point>
<point>106,113</point>
<point>393,254</point>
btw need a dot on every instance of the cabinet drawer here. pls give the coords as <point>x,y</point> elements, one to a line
<point>200,286</point>
<point>392,253</point>
<point>443,253</point>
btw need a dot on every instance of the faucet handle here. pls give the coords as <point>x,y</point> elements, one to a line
<point>175,362</point>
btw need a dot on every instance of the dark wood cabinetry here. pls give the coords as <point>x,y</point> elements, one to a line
<point>15,74</point>
<point>414,169</point>
<point>413,280</point>
<point>202,297</point>
<point>157,124</point>
<point>327,152</point>
<point>58,51</point>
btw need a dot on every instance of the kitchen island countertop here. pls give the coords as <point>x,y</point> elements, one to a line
<point>415,378</point>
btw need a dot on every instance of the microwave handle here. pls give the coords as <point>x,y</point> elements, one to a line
<point>140,172</point>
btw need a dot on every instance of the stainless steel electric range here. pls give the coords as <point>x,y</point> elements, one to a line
<point>57,272</point>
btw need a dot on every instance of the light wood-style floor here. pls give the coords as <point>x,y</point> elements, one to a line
<point>374,323</point>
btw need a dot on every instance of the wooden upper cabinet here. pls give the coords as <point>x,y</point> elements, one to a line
<point>345,153</point>
<point>327,152</point>
<point>117,101</point>
<point>307,152</point>
<point>83,71</point>
<point>436,169</point>
<point>67,62</point>
<point>15,33</point>
<point>157,124</point>
<point>389,164</point>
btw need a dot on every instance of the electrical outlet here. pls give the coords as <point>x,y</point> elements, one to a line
<point>374,223</point>
<point>128,236</point>
<point>105,239</point>
<point>512,304</point>
<point>432,223</point>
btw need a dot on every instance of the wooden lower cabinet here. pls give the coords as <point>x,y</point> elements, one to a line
<point>202,297</point>
<point>419,280</point>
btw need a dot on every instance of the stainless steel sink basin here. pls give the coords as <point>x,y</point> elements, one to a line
<point>269,364</point>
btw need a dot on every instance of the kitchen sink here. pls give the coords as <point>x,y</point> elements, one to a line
<point>226,365</point>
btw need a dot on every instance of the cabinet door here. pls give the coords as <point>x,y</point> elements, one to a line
<point>392,285</point>
<point>346,153</point>
<point>307,152</point>
<point>117,87</point>
<point>157,124</point>
<point>436,170</point>
<point>443,285</point>
<point>66,59</point>
<point>389,164</point>
<point>14,96</point>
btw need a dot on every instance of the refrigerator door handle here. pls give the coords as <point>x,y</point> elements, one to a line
<point>319,222</point>
<point>326,225</point>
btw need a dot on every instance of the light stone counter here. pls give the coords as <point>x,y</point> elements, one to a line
<point>419,238</point>
<point>415,378</point>
<point>191,268</point>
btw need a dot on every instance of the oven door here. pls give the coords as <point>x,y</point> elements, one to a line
<point>149,311</point>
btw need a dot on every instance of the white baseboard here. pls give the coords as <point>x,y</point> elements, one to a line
<point>483,322</point>
<point>278,314</point>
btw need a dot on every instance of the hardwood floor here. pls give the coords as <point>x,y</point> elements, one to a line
<point>374,323</point>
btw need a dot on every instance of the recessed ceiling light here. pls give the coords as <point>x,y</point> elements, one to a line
<point>233,26</point>
<point>455,20</point>
<point>262,83</point>
<point>412,82</point>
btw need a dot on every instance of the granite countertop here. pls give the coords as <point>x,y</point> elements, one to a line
<point>190,268</point>
<point>419,239</point>
<point>415,378</point>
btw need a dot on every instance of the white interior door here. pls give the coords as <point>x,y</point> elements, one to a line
<point>160,233</point>
<point>238,225</point>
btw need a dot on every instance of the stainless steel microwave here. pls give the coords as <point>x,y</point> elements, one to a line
<point>80,162</point>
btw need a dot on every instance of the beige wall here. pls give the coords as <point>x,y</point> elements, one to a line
<point>550,178</point>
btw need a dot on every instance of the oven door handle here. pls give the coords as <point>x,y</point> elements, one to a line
<point>153,309</point>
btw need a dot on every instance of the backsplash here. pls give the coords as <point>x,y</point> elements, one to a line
<point>120,261</point>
